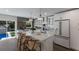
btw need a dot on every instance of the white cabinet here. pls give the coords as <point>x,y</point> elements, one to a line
<point>65,28</point>
<point>62,32</point>
<point>38,22</point>
<point>50,21</point>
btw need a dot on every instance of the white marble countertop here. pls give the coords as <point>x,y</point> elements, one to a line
<point>42,36</point>
<point>46,40</point>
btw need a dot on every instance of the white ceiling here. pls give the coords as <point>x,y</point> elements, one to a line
<point>31,12</point>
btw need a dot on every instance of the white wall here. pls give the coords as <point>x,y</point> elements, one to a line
<point>74,26</point>
<point>4,17</point>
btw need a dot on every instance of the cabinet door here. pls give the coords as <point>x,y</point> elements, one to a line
<point>65,28</point>
<point>62,28</point>
<point>57,25</point>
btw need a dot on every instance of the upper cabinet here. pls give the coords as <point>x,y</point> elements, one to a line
<point>38,22</point>
<point>63,27</point>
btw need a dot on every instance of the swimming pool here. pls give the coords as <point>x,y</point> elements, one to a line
<point>3,36</point>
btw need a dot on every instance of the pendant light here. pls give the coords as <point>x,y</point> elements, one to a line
<point>40,15</point>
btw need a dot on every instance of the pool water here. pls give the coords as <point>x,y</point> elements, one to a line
<point>3,36</point>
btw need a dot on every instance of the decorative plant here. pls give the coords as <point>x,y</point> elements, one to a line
<point>28,24</point>
<point>33,28</point>
<point>12,34</point>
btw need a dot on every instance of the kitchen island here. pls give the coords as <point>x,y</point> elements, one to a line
<point>46,40</point>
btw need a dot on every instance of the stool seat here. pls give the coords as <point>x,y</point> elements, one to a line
<point>27,43</point>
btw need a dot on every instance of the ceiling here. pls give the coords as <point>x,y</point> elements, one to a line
<point>31,12</point>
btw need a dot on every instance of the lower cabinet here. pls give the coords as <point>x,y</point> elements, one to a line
<point>63,41</point>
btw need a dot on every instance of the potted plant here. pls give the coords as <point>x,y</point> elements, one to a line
<point>33,29</point>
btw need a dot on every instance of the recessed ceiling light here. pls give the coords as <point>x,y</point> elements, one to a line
<point>45,13</point>
<point>7,10</point>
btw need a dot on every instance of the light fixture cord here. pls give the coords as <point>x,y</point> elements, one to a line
<point>40,12</point>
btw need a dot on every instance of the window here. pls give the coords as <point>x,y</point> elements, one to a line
<point>2,29</point>
<point>50,22</point>
<point>7,27</point>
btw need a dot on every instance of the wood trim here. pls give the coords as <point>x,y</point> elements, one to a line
<point>63,11</point>
<point>50,15</point>
<point>65,47</point>
<point>62,20</point>
<point>67,10</point>
<point>62,36</point>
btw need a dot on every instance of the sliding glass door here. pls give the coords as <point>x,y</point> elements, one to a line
<point>3,29</point>
<point>11,28</point>
<point>7,29</point>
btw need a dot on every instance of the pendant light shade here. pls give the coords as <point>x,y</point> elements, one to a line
<point>40,15</point>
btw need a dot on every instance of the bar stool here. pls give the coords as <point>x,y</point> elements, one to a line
<point>32,45</point>
<point>27,43</point>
